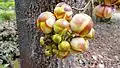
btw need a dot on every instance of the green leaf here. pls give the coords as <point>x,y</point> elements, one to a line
<point>7,15</point>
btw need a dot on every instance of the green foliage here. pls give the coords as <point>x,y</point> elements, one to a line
<point>7,15</point>
<point>7,10</point>
<point>6,0</point>
<point>7,5</point>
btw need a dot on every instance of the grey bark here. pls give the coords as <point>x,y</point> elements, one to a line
<point>27,11</point>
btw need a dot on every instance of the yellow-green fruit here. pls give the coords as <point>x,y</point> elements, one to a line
<point>56,38</point>
<point>91,34</point>
<point>48,52</point>
<point>64,46</point>
<point>62,55</point>
<point>41,40</point>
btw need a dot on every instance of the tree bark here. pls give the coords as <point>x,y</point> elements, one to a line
<point>27,11</point>
<point>31,54</point>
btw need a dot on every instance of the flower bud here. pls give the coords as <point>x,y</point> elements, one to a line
<point>54,46</point>
<point>48,47</point>
<point>79,44</point>
<point>48,52</point>
<point>90,34</point>
<point>55,51</point>
<point>45,22</point>
<point>62,55</point>
<point>64,46</point>
<point>56,38</point>
<point>44,28</point>
<point>60,25</point>
<point>81,24</point>
<point>63,11</point>
<point>42,41</point>
<point>103,11</point>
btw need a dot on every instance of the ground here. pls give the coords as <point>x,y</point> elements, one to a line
<point>104,49</point>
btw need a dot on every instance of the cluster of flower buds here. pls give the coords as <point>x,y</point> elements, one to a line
<point>64,33</point>
<point>105,9</point>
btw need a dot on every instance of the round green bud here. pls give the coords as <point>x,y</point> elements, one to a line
<point>42,41</point>
<point>56,38</point>
<point>54,46</point>
<point>48,47</point>
<point>55,51</point>
<point>48,52</point>
<point>64,46</point>
<point>62,55</point>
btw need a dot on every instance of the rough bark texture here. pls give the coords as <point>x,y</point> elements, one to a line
<point>27,11</point>
<point>31,53</point>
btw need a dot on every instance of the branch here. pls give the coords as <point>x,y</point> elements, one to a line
<point>83,9</point>
<point>87,6</point>
<point>78,9</point>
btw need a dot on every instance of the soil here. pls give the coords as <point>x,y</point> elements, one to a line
<point>104,49</point>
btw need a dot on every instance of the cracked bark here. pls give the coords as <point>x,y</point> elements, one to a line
<point>27,11</point>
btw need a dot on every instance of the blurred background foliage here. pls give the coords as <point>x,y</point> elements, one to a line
<point>9,49</point>
<point>7,10</point>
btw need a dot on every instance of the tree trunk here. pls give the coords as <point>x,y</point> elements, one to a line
<point>31,53</point>
<point>27,11</point>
